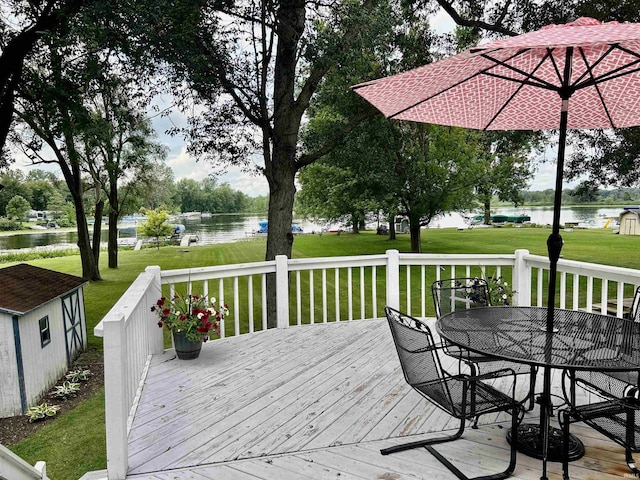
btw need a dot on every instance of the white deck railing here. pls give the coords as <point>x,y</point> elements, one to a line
<point>319,290</point>
<point>12,467</point>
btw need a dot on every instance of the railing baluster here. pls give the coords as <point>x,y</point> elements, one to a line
<point>576,291</point>
<point>374,292</point>
<point>620,300</point>
<point>408,289</point>
<point>236,307</point>
<point>589,293</point>
<point>350,293</point>
<point>362,315</point>
<point>223,333</point>
<point>563,289</point>
<point>298,299</point>
<point>423,292</point>
<point>311,299</point>
<point>539,286</point>
<point>336,292</point>
<point>324,295</point>
<point>250,301</point>
<point>264,301</point>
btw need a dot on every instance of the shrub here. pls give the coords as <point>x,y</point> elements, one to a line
<point>7,225</point>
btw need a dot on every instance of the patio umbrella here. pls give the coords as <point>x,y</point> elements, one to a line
<point>583,74</point>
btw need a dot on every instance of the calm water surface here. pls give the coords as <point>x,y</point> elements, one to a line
<point>230,228</point>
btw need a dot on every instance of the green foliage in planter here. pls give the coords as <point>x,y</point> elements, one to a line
<point>42,411</point>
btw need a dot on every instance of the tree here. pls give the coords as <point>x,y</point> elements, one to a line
<point>14,184</point>
<point>504,160</point>
<point>119,144</point>
<point>18,208</point>
<point>156,225</point>
<point>23,25</point>
<point>255,98</point>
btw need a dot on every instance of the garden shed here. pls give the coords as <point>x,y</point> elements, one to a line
<point>42,330</point>
<point>630,221</point>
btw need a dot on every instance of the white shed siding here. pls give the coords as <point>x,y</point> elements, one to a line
<point>42,365</point>
<point>9,386</point>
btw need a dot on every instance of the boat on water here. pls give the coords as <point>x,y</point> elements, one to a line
<point>503,219</point>
<point>263,227</point>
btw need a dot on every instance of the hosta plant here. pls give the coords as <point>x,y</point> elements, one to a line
<point>78,375</point>
<point>67,389</point>
<point>42,411</point>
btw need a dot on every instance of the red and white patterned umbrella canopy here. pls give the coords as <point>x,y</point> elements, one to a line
<point>515,83</point>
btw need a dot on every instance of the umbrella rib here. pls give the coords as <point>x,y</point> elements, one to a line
<point>481,72</point>
<point>522,84</point>
<point>595,84</point>
<point>542,83</point>
<point>611,74</point>
<point>590,69</point>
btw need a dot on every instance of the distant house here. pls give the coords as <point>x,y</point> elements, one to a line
<point>42,330</point>
<point>630,221</point>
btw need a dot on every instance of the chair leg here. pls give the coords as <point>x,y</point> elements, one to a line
<point>631,462</point>
<point>424,443</point>
<point>496,476</point>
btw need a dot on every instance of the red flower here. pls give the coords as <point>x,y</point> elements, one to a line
<point>166,312</point>
<point>160,324</point>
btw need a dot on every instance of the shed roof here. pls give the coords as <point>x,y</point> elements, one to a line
<point>24,287</point>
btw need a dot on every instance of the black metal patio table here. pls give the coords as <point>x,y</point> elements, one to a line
<point>580,341</point>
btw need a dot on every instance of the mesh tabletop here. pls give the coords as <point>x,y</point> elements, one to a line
<point>581,340</point>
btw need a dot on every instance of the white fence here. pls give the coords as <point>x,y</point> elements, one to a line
<point>320,290</point>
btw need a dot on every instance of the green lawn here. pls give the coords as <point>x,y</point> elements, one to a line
<point>74,443</point>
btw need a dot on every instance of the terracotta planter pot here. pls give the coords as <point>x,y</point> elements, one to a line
<point>185,348</point>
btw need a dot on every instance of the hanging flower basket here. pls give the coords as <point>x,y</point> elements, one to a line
<point>191,319</point>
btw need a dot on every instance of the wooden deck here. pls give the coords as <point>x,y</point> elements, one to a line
<point>314,402</point>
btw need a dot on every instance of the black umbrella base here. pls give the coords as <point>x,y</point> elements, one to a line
<point>530,443</point>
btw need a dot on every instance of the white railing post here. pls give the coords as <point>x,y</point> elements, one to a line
<point>282,291</point>
<point>393,278</point>
<point>521,279</point>
<point>115,392</point>
<point>156,337</point>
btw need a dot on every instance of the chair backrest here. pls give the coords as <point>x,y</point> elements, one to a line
<point>634,313</point>
<point>459,293</point>
<point>418,354</point>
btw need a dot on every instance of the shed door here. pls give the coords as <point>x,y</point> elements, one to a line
<point>630,225</point>
<point>73,316</point>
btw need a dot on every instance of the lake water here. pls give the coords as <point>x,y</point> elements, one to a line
<point>230,228</point>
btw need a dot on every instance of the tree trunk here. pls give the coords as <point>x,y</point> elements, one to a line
<point>414,229</point>
<point>355,223</point>
<point>97,230</point>
<point>90,270</point>
<point>362,224</point>
<point>392,227</point>
<point>487,211</point>
<point>280,238</point>
<point>114,215</point>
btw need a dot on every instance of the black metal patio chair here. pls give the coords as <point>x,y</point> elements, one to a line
<point>607,384</point>
<point>461,293</point>
<point>614,413</point>
<point>419,357</point>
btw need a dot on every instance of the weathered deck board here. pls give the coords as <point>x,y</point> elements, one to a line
<point>315,402</point>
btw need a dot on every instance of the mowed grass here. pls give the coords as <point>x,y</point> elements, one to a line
<point>75,443</point>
